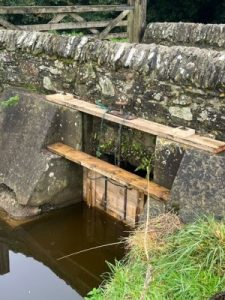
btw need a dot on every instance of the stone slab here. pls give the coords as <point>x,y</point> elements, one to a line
<point>199,187</point>
<point>168,156</point>
<point>36,176</point>
<point>23,131</point>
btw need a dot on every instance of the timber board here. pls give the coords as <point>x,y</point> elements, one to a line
<point>110,171</point>
<point>183,136</point>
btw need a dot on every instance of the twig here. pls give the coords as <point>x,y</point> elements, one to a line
<point>89,249</point>
<point>148,272</point>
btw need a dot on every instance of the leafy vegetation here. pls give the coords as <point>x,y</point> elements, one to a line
<point>203,11</point>
<point>12,101</point>
<point>188,264</point>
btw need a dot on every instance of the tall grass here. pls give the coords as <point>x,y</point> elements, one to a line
<point>190,265</point>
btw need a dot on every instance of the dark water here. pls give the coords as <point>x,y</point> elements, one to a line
<point>29,265</point>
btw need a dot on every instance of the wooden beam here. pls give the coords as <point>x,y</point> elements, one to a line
<point>112,24</point>
<point>69,25</point>
<point>57,18</point>
<point>137,20</point>
<point>78,18</point>
<point>110,171</point>
<point>183,136</point>
<point>62,9</point>
<point>8,25</point>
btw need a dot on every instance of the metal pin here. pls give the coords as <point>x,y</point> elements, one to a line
<point>125,204</point>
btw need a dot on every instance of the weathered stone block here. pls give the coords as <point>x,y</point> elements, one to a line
<point>189,34</point>
<point>31,172</point>
<point>199,187</point>
<point>156,208</point>
<point>168,156</point>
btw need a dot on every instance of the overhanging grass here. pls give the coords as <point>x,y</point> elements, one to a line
<point>190,266</point>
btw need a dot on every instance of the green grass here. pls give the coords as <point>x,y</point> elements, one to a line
<point>190,266</point>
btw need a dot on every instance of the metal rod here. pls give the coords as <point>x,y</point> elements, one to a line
<point>125,204</point>
<point>106,193</point>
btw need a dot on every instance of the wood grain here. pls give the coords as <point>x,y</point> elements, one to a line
<point>110,171</point>
<point>183,136</point>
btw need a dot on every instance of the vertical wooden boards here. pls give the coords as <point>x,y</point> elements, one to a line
<point>117,200</point>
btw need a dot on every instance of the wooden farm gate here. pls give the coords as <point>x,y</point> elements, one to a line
<point>131,16</point>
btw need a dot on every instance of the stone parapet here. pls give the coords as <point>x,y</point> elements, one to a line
<point>179,86</point>
<point>186,34</point>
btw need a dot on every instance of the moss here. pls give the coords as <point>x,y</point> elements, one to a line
<point>66,61</point>
<point>133,147</point>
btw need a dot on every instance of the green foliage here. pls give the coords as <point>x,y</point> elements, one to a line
<point>12,101</point>
<point>203,11</point>
<point>190,266</point>
<point>200,11</point>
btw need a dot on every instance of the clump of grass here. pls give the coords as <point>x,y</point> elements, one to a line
<point>187,262</point>
<point>159,228</point>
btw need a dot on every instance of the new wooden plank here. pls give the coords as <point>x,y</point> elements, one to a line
<point>183,136</point>
<point>62,9</point>
<point>110,171</point>
<point>68,25</point>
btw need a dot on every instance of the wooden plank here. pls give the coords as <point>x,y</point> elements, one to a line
<point>94,191</point>
<point>137,20</point>
<point>62,9</point>
<point>130,25</point>
<point>8,25</point>
<point>113,24</point>
<point>183,136</point>
<point>57,18</point>
<point>69,25</point>
<point>110,171</point>
<point>78,18</point>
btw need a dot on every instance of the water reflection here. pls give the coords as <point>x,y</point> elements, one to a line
<point>29,254</point>
<point>29,279</point>
<point>4,259</point>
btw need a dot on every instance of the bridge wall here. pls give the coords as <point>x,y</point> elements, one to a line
<point>174,85</point>
<point>171,85</point>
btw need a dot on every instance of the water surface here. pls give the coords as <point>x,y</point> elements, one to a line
<point>30,268</point>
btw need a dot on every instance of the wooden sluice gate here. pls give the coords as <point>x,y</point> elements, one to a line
<point>121,193</point>
<point>106,186</point>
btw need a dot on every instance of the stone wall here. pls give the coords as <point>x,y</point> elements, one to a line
<point>186,34</point>
<point>174,85</point>
<point>171,85</point>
